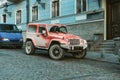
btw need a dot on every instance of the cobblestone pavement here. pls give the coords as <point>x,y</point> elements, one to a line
<point>16,65</point>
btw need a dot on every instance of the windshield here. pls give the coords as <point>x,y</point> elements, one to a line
<point>61,29</point>
<point>8,28</point>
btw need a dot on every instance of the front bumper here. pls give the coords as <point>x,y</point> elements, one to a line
<point>73,48</point>
<point>11,44</point>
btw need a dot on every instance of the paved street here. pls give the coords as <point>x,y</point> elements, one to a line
<point>16,65</point>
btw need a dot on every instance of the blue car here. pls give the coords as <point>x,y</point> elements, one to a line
<point>10,36</point>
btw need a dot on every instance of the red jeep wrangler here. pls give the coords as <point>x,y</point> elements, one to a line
<point>55,39</point>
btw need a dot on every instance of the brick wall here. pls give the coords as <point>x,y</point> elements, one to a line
<point>87,30</point>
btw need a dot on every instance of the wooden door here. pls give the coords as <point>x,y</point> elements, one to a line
<point>113,17</point>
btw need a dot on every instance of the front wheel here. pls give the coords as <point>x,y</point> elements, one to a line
<point>56,52</point>
<point>29,48</point>
<point>80,55</point>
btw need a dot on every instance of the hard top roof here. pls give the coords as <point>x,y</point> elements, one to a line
<point>46,24</point>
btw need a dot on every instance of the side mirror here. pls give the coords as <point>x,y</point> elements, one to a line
<point>44,32</point>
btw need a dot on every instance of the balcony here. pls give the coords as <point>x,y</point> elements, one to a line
<point>15,1</point>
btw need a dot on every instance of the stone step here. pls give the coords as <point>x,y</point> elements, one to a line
<point>108,43</point>
<point>106,49</point>
<point>106,46</point>
<point>100,51</point>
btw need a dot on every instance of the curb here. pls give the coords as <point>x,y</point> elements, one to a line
<point>104,57</point>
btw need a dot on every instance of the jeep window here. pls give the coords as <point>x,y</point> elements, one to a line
<point>8,28</point>
<point>54,29</point>
<point>61,29</point>
<point>41,29</point>
<point>32,29</point>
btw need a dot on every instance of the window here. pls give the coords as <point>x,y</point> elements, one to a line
<point>4,18</point>
<point>100,3</point>
<point>94,5</point>
<point>32,29</point>
<point>34,13</point>
<point>18,17</point>
<point>61,29</point>
<point>7,27</point>
<point>55,8</point>
<point>81,6</point>
<point>41,29</point>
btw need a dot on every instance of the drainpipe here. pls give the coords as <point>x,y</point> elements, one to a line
<point>27,18</point>
<point>28,11</point>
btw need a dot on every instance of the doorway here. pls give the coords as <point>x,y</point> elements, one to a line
<point>113,19</point>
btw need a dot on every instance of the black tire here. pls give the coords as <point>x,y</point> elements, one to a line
<point>56,52</point>
<point>29,48</point>
<point>80,55</point>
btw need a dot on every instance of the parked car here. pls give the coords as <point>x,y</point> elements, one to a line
<point>55,39</point>
<point>10,36</point>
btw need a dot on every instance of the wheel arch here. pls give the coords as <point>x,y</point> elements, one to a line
<point>29,39</point>
<point>54,42</point>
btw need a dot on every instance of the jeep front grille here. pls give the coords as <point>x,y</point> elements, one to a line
<point>74,41</point>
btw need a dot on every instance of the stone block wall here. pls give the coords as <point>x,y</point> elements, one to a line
<point>87,30</point>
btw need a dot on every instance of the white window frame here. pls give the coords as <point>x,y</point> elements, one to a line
<point>76,7</point>
<point>51,8</point>
<point>16,16</point>
<point>32,13</point>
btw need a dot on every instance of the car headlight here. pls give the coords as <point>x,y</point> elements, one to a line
<point>5,39</point>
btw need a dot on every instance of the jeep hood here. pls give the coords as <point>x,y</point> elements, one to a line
<point>64,35</point>
<point>11,36</point>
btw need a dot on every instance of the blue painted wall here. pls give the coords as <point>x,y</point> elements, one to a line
<point>67,12</point>
<point>67,7</point>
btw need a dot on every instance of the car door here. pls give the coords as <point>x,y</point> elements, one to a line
<point>41,38</point>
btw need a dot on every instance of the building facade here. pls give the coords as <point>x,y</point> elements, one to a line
<point>83,17</point>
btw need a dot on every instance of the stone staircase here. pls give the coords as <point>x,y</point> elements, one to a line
<point>107,50</point>
<point>106,46</point>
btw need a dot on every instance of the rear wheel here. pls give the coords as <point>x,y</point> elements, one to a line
<point>80,55</point>
<point>56,52</point>
<point>29,48</point>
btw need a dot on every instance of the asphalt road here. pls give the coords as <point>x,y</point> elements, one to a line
<point>16,65</point>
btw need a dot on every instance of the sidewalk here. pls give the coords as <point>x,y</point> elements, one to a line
<point>106,57</point>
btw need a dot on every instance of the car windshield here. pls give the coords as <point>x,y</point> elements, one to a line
<point>61,29</point>
<point>8,28</point>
